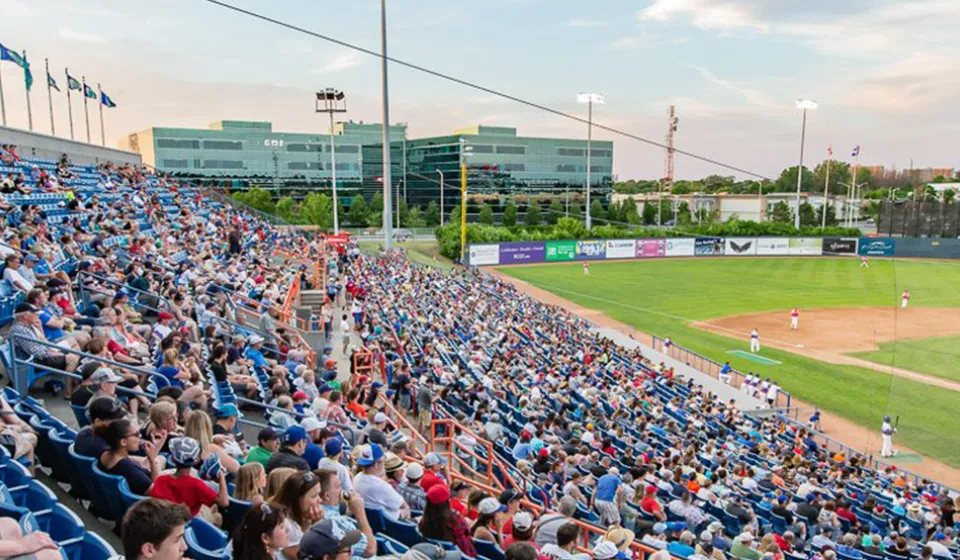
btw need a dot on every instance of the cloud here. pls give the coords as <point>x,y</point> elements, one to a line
<point>80,36</point>
<point>706,14</point>
<point>340,63</point>
<point>585,23</point>
<point>92,11</point>
<point>752,96</point>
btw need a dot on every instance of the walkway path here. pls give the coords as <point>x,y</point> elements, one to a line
<point>853,435</point>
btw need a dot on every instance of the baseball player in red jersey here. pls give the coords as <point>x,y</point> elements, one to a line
<point>904,299</point>
<point>794,318</point>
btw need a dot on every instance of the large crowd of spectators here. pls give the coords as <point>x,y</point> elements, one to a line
<point>166,305</point>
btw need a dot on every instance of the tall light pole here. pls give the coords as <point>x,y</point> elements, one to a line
<point>465,151</point>
<point>590,99</point>
<point>385,95</point>
<point>440,171</point>
<point>332,101</point>
<point>803,105</point>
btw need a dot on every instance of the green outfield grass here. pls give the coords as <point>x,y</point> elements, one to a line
<point>938,356</point>
<point>423,252</point>
<point>662,297</point>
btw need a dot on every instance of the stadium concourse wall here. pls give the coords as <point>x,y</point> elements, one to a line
<point>43,146</point>
<point>532,252</point>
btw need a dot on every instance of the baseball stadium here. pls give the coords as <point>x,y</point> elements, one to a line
<point>264,339</point>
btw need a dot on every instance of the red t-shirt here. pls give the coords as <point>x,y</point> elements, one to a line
<point>459,507</point>
<point>187,490</point>
<point>429,480</point>
<point>650,505</point>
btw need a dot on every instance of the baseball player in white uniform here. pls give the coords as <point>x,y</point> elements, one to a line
<point>754,341</point>
<point>886,431</point>
<point>795,318</point>
<point>904,299</point>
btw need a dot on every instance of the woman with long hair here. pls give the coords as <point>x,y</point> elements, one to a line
<point>251,482</point>
<point>123,438</point>
<point>488,523</point>
<point>300,497</point>
<point>200,427</point>
<point>262,534</point>
<point>441,522</point>
<point>275,481</point>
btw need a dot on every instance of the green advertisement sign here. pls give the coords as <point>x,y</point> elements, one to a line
<point>561,251</point>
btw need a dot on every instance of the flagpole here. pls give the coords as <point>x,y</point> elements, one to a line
<point>86,113</point>
<point>53,129</point>
<point>27,90</point>
<point>3,107</point>
<point>853,187</point>
<point>103,139</point>
<point>826,194</point>
<point>69,103</point>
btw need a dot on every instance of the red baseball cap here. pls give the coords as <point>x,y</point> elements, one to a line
<point>651,489</point>
<point>298,395</point>
<point>438,494</point>
<point>163,315</point>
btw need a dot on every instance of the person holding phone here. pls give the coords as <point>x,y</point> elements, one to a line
<point>123,439</point>
<point>331,494</point>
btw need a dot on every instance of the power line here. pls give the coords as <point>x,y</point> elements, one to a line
<point>478,87</point>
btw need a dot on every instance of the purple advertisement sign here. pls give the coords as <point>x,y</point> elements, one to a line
<point>651,247</point>
<point>522,252</point>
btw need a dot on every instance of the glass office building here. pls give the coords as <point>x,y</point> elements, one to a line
<point>499,162</point>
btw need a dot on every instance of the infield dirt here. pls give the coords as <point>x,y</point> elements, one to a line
<point>829,335</point>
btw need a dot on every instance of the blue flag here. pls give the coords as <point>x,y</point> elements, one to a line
<point>855,152</point>
<point>88,92</point>
<point>72,83</point>
<point>106,100</point>
<point>14,57</point>
<point>52,83</point>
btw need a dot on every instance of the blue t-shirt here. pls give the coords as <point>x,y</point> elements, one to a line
<point>256,357</point>
<point>521,450</point>
<point>52,334</point>
<point>607,487</point>
<point>169,372</point>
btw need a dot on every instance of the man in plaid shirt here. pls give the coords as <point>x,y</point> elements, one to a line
<point>26,326</point>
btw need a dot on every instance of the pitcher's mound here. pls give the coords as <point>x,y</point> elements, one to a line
<point>839,330</point>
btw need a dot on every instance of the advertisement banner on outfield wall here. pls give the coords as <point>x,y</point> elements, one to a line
<point>773,246</point>
<point>482,255</point>
<point>709,246</point>
<point>876,247</point>
<point>591,250</point>
<point>617,249</point>
<point>741,246</point>
<point>648,248</point>
<point>839,245</point>
<point>680,247</point>
<point>521,252</point>
<point>560,251</point>
<point>806,246</point>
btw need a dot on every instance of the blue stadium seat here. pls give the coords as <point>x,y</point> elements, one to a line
<point>109,499</point>
<point>387,545</point>
<point>406,532</point>
<point>234,513</point>
<point>63,526</point>
<point>93,547</point>
<point>376,519</point>
<point>489,549</point>
<point>205,541</point>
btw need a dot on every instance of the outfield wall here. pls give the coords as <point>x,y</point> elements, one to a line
<point>531,252</point>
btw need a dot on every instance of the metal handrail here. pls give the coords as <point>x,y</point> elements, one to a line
<point>19,381</point>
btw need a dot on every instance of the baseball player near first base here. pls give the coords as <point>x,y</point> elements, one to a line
<point>754,341</point>
<point>904,299</point>
<point>794,318</point>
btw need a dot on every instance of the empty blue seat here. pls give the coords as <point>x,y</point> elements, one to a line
<point>92,547</point>
<point>234,513</point>
<point>406,532</point>
<point>387,545</point>
<point>63,525</point>
<point>489,549</point>
<point>107,499</point>
<point>204,541</point>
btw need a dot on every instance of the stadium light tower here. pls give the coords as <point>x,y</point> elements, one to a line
<point>803,105</point>
<point>332,101</point>
<point>385,99</point>
<point>590,99</point>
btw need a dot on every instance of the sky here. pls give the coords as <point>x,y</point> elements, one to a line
<point>886,74</point>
